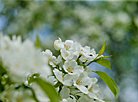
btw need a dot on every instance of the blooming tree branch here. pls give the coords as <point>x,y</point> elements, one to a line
<point>66,76</point>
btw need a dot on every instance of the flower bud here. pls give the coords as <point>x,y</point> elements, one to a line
<point>58,44</point>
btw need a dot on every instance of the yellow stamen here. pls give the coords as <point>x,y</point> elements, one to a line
<point>83,50</point>
<point>54,63</point>
<point>70,69</point>
<point>66,56</point>
<point>63,78</point>
<point>90,89</point>
<point>67,46</point>
<point>60,98</point>
<point>79,82</point>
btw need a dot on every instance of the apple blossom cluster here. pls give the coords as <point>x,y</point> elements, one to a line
<point>68,72</point>
<point>22,58</point>
<point>71,72</point>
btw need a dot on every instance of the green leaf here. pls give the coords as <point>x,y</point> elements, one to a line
<point>104,62</point>
<point>102,49</point>
<point>37,43</point>
<point>106,56</point>
<point>109,82</point>
<point>48,89</point>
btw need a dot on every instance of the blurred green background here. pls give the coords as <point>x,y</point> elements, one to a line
<point>89,23</point>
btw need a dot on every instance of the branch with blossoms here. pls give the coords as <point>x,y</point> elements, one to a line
<point>39,75</point>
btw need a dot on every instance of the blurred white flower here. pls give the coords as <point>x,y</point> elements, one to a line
<point>47,53</point>
<point>21,59</point>
<point>16,95</point>
<point>40,94</point>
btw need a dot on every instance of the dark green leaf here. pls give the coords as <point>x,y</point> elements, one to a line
<point>104,62</point>
<point>102,49</point>
<point>48,89</point>
<point>109,82</point>
<point>37,43</point>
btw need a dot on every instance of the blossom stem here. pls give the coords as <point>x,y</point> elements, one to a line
<point>89,63</point>
<point>78,59</point>
<point>84,62</point>
<point>58,84</point>
<point>92,61</point>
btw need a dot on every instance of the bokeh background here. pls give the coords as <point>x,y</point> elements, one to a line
<point>89,23</point>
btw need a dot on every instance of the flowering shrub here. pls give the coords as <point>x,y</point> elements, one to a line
<point>30,74</point>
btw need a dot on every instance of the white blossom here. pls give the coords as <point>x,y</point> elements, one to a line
<point>54,61</point>
<point>70,74</point>
<point>52,80</point>
<point>70,50</point>
<point>65,79</point>
<point>65,95</point>
<point>68,45</point>
<point>88,70</point>
<point>58,44</point>
<point>40,94</point>
<point>47,53</point>
<point>21,59</point>
<point>87,54</point>
<point>67,55</point>
<point>72,68</point>
<point>15,95</point>
<point>81,82</point>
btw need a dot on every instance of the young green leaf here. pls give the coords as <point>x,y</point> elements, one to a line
<point>37,43</point>
<point>104,62</point>
<point>48,89</point>
<point>102,49</point>
<point>106,56</point>
<point>109,82</point>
